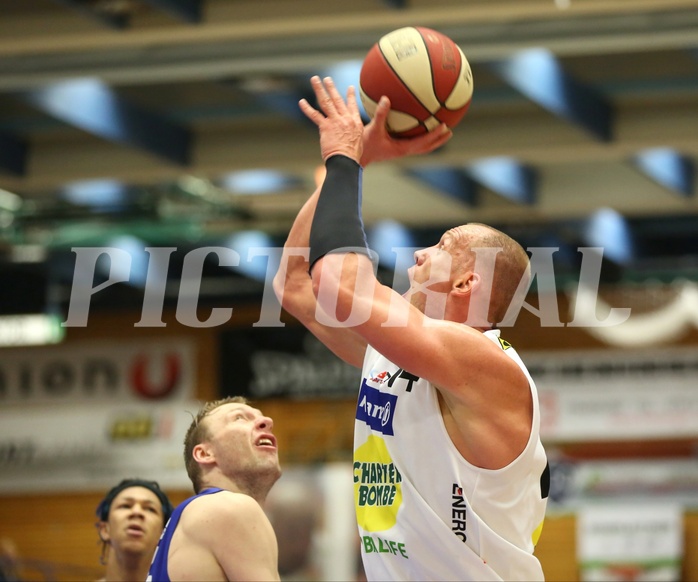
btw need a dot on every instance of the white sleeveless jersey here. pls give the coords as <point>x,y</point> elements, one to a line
<point>424,512</point>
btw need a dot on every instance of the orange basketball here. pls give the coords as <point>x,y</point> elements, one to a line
<point>425,75</point>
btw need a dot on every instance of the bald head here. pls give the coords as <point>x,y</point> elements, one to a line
<point>511,266</point>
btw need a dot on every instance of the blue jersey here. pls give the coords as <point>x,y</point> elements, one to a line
<point>158,567</point>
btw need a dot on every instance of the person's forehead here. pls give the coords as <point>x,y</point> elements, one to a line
<point>137,493</point>
<point>465,232</point>
<point>226,410</point>
<point>455,235</point>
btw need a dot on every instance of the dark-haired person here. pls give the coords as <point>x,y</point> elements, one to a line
<point>222,532</point>
<point>131,516</point>
<point>450,477</point>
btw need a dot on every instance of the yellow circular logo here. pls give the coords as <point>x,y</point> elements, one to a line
<point>377,486</point>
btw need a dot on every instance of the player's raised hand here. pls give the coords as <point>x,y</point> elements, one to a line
<point>379,145</point>
<point>340,124</point>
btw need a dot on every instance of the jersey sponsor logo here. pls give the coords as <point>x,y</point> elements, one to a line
<point>504,343</point>
<point>377,483</point>
<point>384,376</point>
<point>404,374</point>
<point>377,486</point>
<point>458,512</point>
<point>376,409</point>
<point>376,544</point>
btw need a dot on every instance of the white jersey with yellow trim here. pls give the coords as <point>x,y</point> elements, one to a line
<point>424,512</point>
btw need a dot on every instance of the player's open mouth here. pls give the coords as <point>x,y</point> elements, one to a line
<point>135,530</point>
<point>266,441</point>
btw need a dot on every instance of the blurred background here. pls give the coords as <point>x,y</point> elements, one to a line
<point>160,128</point>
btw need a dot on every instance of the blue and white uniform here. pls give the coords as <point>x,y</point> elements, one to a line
<point>158,567</point>
<point>424,512</point>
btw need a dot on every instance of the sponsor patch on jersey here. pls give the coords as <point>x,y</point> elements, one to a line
<point>380,378</point>
<point>377,489</point>
<point>459,513</point>
<point>376,409</point>
<point>504,343</point>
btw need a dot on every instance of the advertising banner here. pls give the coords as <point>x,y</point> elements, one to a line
<point>576,482</point>
<point>91,446</point>
<point>617,394</point>
<point>286,362</point>
<point>98,371</point>
<point>630,542</point>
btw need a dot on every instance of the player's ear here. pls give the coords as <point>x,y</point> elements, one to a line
<point>203,454</point>
<point>466,283</point>
<point>103,530</point>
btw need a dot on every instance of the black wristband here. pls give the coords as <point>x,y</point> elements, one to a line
<point>337,224</point>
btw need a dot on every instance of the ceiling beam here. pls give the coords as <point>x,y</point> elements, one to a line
<point>93,107</point>
<point>668,168</point>
<point>507,177</point>
<point>117,19</point>
<point>539,75</point>
<point>453,182</point>
<point>187,10</point>
<point>531,135</point>
<point>306,38</point>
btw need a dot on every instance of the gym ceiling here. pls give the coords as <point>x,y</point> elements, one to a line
<point>174,123</point>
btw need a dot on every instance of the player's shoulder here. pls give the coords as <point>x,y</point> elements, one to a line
<point>494,354</point>
<point>221,500</point>
<point>223,509</point>
<point>494,336</point>
<point>226,505</point>
<point>489,339</point>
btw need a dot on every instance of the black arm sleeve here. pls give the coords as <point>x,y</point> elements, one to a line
<point>337,225</point>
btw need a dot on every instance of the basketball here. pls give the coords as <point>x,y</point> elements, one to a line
<point>424,74</point>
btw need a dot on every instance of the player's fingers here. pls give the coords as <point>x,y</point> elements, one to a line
<point>310,112</point>
<point>380,116</point>
<point>441,135</point>
<point>334,95</point>
<point>352,104</point>
<point>324,99</point>
<point>431,140</point>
